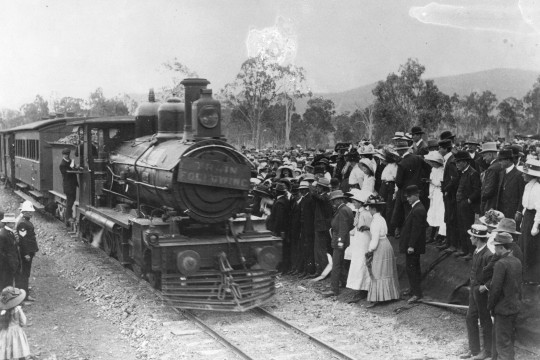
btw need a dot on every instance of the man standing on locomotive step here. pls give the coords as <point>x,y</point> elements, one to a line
<point>70,183</point>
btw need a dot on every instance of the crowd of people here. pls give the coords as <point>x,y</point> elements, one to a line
<point>478,201</point>
<point>18,246</point>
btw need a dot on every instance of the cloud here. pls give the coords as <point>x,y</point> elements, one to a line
<point>278,42</point>
<point>522,19</point>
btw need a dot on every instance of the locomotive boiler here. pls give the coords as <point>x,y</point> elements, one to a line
<point>171,203</point>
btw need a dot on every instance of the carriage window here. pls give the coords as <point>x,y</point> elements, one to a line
<point>20,148</point>
<point>28,149</point>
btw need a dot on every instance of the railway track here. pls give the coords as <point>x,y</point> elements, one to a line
<point>255,334</point>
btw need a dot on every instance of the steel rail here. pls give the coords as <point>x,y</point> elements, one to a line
<point>303,333</point>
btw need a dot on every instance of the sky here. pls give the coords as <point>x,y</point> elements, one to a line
<point>59,48</point>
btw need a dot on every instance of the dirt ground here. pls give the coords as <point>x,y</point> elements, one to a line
<point>88,308</point>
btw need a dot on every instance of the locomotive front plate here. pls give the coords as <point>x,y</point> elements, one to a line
<point>214,173</point>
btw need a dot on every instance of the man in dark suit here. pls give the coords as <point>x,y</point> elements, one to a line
<point>9,254</point>
<point>477,162</point>
<point>294,229</point>
<point>420,147</point>
<point>69,182</point>
<point>307,230</point>
<point>322,219</point>
<point>449,187</point>
<point>510,188</point>
<point>342,224</point>
<point>478,296</point>
<point>490,177</point>
<point>504,300</point>
<point>278,222</point>
<point>412,242</point>
<point>411,169</point>
<point>467,200</point>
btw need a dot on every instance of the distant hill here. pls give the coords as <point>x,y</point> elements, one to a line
<point>502,82</point>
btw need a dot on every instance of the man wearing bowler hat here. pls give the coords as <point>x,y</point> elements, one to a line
<point>504,299</point>
<point>449,187</point>
<point>412,242</point>
<point>69,182</point>
<point>278,222</point>
<point>323,218</point>
<point>420,147</point>
<point>510,188</point>
<point>467,201</point>
<point>490,177</point>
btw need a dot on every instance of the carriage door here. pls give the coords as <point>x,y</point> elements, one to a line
<point>10,160</point>
<point>85,160</point>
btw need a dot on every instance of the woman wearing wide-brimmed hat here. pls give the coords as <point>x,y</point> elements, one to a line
<point>530,225</point>
<point>13,341</point>
<point>369,179</point>
<point>359,278</point>
<point>384,278</point>
<point>435,215</point>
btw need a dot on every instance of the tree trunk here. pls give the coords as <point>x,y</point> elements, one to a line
<point>288,114</point>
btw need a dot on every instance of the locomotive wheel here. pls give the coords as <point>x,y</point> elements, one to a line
<point>109,243</point>
<point>154,278</point>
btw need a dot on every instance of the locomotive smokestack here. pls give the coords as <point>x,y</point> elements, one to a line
<point>193,89</point>
<point>170,119</point>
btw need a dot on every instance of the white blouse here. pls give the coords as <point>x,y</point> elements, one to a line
<point>378,230</point>
<point>531,198</point>
<point>389,172</point>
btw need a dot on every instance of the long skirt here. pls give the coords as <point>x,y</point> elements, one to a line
<point>358,278</point>
<point>13,343</point>
<point>530,245</point>
<point>384,282</point>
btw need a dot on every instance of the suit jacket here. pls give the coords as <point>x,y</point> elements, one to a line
<point>9,254</point>
<point>490,185</point>
<point>70,182</point>
<point>323,212</point>
<point>479,261</point>
<point>307,217</point>
<point>421,149</point>
<point>479,164</point>
<point>294,219</point>
<point>342,224</point>
<point>449,187</point>
<point>510,192</point>
<point>505,291</point>
<point>27,237</point>
<point>470,188</point>
<point>278,220</point>
<point>410,171</point>
<point>413,232</point>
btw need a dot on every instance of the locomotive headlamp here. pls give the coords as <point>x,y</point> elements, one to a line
<point>188,262</point>
<point>208,117</point>
<point>153,239</point>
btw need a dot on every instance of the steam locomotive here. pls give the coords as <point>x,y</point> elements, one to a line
<point>165,194</point>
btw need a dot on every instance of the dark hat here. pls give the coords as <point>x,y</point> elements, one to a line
<point>516,150</point>
<point>432,144</point>
<point>276,160</point>
<point>412,190</point>
<point>446,135</point>
<point>281,187</point>
<point>375,200</point>
<point>353,155</point>
<point>505,154</point>
<point>416,130</point>
<point>462,155</point>
<point>262,190</point>
<point>294,189</point>
<point>287,182</point>
<point>337,194</point>
<point>66,151</point>
<point>502,238</point>
<point>445,143</point>
<point>472,142</point>
<point>323,161</point>
<point>401,145</point>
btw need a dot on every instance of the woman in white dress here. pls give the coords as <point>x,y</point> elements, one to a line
<point>384,277</point>
<point>358,278</point>
<point>366,166</point>
<point>435,215</point>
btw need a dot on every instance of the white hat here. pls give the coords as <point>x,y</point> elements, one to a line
<point>27,206</point>
<point>358,195</point>
<point>9,218</point>
<point>531,167</point>
<point>367,163</point>
<point>434,156</point>
<point>304,185</point>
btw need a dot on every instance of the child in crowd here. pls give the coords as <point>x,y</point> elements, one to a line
<point>13,341</point>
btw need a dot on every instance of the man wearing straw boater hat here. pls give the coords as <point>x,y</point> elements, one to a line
<point>504,296</point>
<point>490,177</point>
<point>342,224</point>
<point>478,310</point>
<point>9,254</point>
